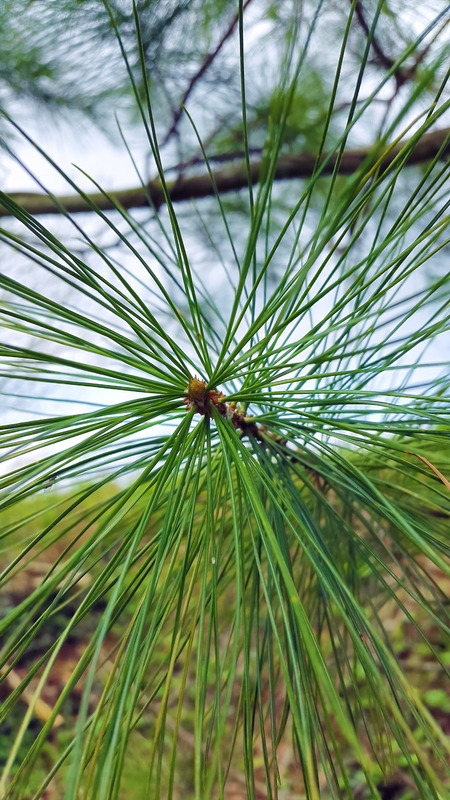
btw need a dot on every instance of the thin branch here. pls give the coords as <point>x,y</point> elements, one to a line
<point>386,61</point>
<point>209,58</point>
<point>233,155</point>
<point>402,74</point>
<point>289,167</point>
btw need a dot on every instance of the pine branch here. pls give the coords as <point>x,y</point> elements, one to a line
<point>233,179</point>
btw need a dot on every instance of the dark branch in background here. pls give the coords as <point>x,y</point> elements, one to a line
<point>199,74</point>
<point>401,74</point>
<point>384,60</point>
<point>229,180</point>
<point>233,155</point>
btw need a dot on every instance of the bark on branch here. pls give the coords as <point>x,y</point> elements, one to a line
<point>231,179</point>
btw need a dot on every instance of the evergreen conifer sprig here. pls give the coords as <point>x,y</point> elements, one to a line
<point>236,478</point>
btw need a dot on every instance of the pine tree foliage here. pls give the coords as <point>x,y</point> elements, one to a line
<point>228,442</point>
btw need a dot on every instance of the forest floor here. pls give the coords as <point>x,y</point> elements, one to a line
<point>413,655</point>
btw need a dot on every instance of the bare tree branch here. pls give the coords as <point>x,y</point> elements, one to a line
<point>199,74</point>
<point>303,165</point>
<point>401,74</point>
<point>385,60</point>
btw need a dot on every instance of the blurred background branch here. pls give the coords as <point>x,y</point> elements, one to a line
<point>289,167</point>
